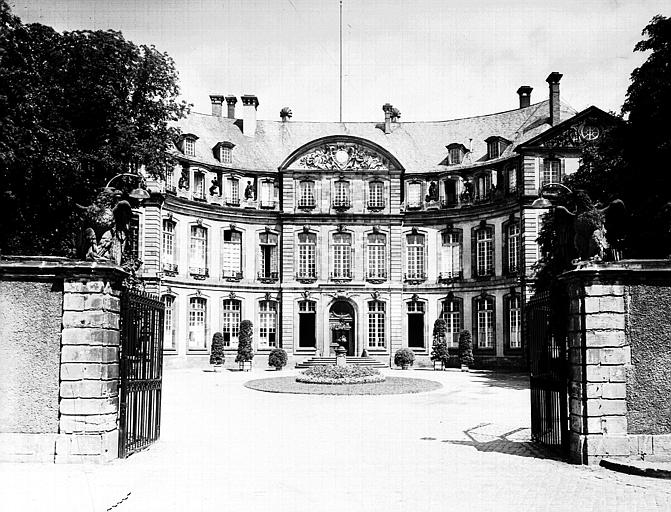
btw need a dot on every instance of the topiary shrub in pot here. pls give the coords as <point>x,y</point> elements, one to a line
<point>404,358</point>
<point>245,352</point>
<point>465,350</point>
<point>277,358</point>
<point>439,352</point>
<point>217,356</point>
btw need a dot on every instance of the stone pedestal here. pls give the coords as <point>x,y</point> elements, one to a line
<point>619,311</point>
<point>341,356</point>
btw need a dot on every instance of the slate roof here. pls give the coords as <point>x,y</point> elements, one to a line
<point>418,146</point>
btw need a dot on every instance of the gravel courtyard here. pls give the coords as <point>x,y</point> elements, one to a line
<point>226,447</point>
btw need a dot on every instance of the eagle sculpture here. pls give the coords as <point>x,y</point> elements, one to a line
<point>597,231</point>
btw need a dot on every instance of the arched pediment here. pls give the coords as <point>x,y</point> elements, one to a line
<point>341,154</point>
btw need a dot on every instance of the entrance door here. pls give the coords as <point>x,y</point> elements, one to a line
<point>343,326</point>
<point>416,324</point>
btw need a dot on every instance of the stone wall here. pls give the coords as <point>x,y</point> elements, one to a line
<point>619,360</point>
<point>59,347</point>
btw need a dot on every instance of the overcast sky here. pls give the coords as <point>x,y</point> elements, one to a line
<point>433,59</point>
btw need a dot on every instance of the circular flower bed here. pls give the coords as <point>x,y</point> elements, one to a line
<point>348,374</point>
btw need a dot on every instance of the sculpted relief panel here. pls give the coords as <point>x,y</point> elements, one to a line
<point>342,157</point>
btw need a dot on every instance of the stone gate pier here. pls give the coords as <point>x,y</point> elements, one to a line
<point>59,360</point>
<point>620,360</point>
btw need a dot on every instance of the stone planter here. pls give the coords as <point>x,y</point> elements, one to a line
<point>245,366</point>
<point>464,368</point>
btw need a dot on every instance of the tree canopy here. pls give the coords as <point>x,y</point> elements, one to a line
<point>76,108</point>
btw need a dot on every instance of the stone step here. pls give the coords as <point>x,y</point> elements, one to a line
<point>359,361</point>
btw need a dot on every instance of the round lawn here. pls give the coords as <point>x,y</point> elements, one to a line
<point>391,386</point>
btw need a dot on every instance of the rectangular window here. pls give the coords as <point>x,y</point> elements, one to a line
<point>483,186</point>
<point>377,267</point>
<point>515,321</point>
<point>485,310</point>
<point>306,324</point>
<point>170,179</point>
<point>512,179</point>
<point>168,241</point>
<point>306,196</point>
<point>306,256</point>
<point>416,324</point>
<point>450,262</point>
<point>513,247</point>
<point>376,194</point>
<point>342,256</point>
<point>376,324</point>
<point>169,323</point>
<point>233,192</point>
<point>230,328</point>
<point>341,198</point>
<point>493,149</point>
<point>485,252</point>
<point>225,154</point>
<point>197,308</point>
<point>267,191</point>
<point>414,195</point>
<point>451,313</point>
<point>189,147</point>
<point>268,324</point>
<point>415,256</point>
<point>198,248</point>
<point>198,185</point>
<point>268,247</point>
<point>455,156</point>
<point>231,252</point>
<point>551,171</point>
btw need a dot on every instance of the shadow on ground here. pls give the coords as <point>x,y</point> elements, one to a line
<point>484,438</point>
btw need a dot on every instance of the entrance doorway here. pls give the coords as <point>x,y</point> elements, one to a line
<point>416,324</point>
<point>342,324</point>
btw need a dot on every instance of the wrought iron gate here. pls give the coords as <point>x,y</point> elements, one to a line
<point>546,335</point>
<point>140,371</point>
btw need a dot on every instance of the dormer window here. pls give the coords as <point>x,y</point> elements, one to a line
<point>223,152</point>
<point>496,146</point>
<point>455,153</point>
<point>189,144</point>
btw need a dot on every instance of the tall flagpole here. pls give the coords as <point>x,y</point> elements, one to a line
<point>341,61</point>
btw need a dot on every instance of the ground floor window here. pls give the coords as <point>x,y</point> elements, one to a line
<point>268,324</point>
<point>451,313</point>
<point>230,328</point>
<point>197,323</point>
<point>484,308</point>
<point>169,323</point>
<point>376,324</point>
<point>514,321</point>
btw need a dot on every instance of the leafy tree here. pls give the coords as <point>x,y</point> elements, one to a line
<point>439,350</point>
<point>245,352</point>
<point>465,348</point>
<point>217,356</point>
<point>76,108</point>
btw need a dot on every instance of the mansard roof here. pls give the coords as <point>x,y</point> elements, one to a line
<point>418,146</point>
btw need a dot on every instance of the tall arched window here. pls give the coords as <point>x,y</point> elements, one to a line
<point>268,256</point>
<point>198,185</point>
<point>267,324</point>
<point>376,322</point>
<point>484,322</point>
<point>198,251</point>
<point>450,257</point>
<point>514,321</point>
<point>377,265</point>
<point>197,323</point>
<point>484,251</point>
<point>230,328</point>
<point>415,257</point>
<point>169,323</point>
<point>451,313</point>
<point>231,254</point>
<point>342,256</point>
<point>168,246</point>
<point>307,243</point>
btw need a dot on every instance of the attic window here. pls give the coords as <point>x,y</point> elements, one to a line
<point>224,152</point>
<point>190,146</point>
<point>496,146</point>
<point>455,153</point>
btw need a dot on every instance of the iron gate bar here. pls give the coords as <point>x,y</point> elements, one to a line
<point>140,371</point>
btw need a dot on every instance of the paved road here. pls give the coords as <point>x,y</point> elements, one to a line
<point>225,447</point>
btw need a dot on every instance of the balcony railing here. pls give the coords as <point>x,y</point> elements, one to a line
<point>342,204</point>
<point>450,277</point>
<point>306,204</point>
<point>342,275</point>
<point>199,272</point>
<point>233,201</point>
<point>268,277</point>
<point>377,205</point>
<point>231,275</point>
<point>171,189</point>
<point>306,277</point>
<point>414,277</point>
<point>376,277</point>
<point>171,269</point>
<point>267,204</point>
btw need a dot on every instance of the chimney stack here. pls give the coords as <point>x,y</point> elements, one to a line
<point>216,100</point>
<point>524,93</point>
<point>249,105</point>
<point>553,80</point>
<point>231,101</point>
<point>387,108</point>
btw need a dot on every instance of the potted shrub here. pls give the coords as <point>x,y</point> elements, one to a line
<point>404,358</point>
<point>439,352</point>
<point>465,350</point>
<point>217,356</point>
<point>245,352</point>
<point>277,358</point>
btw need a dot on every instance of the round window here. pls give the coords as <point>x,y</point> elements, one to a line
<point>590,132</point>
